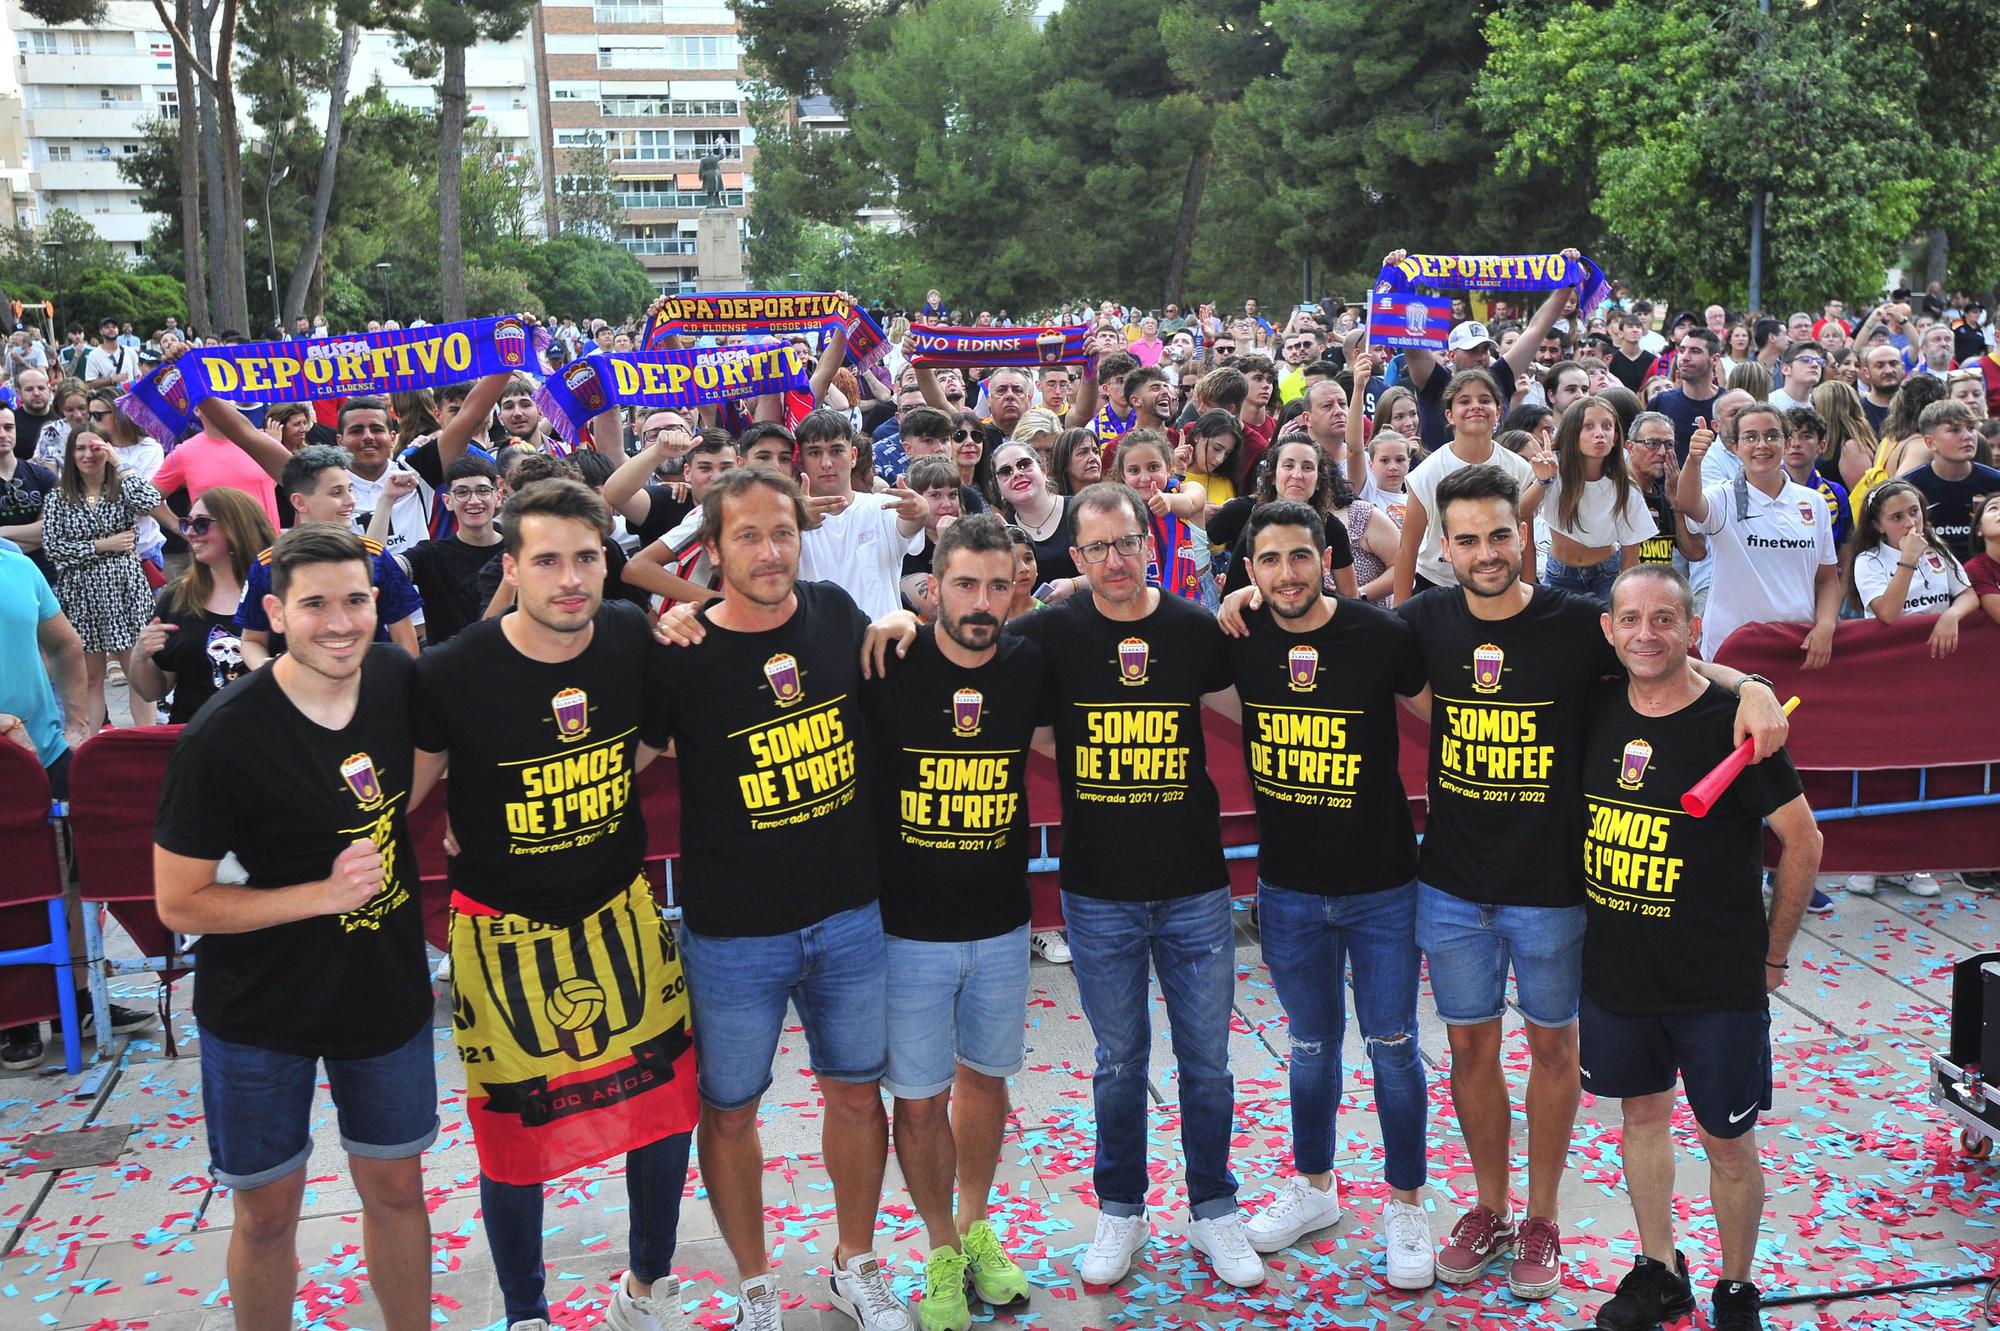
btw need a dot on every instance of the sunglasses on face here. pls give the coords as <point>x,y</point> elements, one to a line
<point>198,526</point>
<point>960,436</point>
<point>1006,469</point>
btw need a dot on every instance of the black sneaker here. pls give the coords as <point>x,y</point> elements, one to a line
<point>123,1019</point>
<point>21,1047</point>
<point>1649,1294</point>
<point>1738,1307</point>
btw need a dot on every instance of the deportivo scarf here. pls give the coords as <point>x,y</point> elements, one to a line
<point>673,380</point>
<point>398,361</point>
<point>971,348</point>
<point>734,313</point>
<point>1497,272</point>
<point>575,1038</point>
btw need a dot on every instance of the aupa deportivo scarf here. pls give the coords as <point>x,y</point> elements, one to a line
<point>673,380</point>
<point>736,313</point>
<point>401,360</point>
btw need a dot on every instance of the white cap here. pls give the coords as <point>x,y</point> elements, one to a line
<point>1470,334</point>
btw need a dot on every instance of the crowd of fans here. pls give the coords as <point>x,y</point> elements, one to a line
<point>1200,473</point>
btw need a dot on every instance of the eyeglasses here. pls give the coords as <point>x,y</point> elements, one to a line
<point>1753,437</point>
<point>1023,467</point>
<point>100,415</point>
<point>1813,361</point>
<point>657,431</point>
<point>198,526</point>
<point>1654,444</point>
<point>1097,551</point>
<point>473,492</point>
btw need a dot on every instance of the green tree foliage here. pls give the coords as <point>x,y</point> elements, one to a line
<point>66,262</point>
<point>581,276</point>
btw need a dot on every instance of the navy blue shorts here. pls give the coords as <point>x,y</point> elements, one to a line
<point>1722,1059</point>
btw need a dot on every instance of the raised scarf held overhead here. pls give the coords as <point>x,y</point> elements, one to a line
<point>973,348</point>
<point>736,313</point>
<point>398,361</point>
<point>673,380</point>
<point>1497,272</point>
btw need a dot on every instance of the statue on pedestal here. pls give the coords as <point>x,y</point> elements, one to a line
<point>711,178</point>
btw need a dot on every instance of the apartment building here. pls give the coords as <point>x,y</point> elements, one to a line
<point>653,85</point>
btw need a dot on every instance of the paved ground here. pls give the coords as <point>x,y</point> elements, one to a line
<point>1868,1186</point>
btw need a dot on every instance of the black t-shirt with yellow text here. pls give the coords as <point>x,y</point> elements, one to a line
<point>950,781</point>
<point>254,776</point>
<point>770,735</point>
<point>1674,908</point>
<point>1506,743</point>
<point>544,762</point>
<point>1141,819</point>
<point>1319,734</point>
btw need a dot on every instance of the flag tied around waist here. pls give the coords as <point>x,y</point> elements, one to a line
<point>400,360</point>
<point>970,348</point>
<point>734,313</point>
<point>1497,272</point>
<point>674,380</point>
<point>1397,319</point>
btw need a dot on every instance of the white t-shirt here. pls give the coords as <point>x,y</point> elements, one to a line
<point>860,549</point>
<point>409,520</point>
<point>1421,488</point>
<point>1391,502</point>
<point>1767,562</point>
<point>1784,401</point>
<point>144,459</point>
<point>1933,587</point>
<point>1596,523</point>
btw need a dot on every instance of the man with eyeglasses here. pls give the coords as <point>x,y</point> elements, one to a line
<point>651,507</point>
<point>1055,383</point>
<point>1803,366</point>
<point>446,571</point>
<point>1649,456</point>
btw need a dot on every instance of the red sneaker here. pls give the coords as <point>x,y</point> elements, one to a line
<point>1538,1259</point>
<point>1477,1238</point>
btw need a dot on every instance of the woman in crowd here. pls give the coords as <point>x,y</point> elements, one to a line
<point>1027,574</point>
<point>1078,461</point>
<point>90,534</point>
<point>968,452</point>
<point>1213,451</point>
<point>1903,447</point>
<point>1039,428</point>
<point>71,403</point>
<point>1596,517</point>
<point>1848,447</point>
<point>139,454</point>
<point>1752,378</point>
<point>290,423</point>
<point>1024,497</point>
<point>416,417</point>
<point>1297,469</point>
<point>1736,351</point>
<point>191,648</point>
<point>1967,386</point>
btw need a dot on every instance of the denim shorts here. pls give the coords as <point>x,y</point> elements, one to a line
<point>258,1106</point>
<point>738,989</point>
<point>1590,580</point>
<point>1470,947</point>
<point>955,1003</point>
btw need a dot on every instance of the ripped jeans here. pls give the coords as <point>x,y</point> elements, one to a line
<point>1309,943</point>
<point>1191,944</point>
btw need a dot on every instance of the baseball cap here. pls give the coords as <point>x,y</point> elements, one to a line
<point>1470,334</point>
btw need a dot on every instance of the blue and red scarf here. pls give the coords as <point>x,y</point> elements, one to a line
<point>737,313</point>
<point>1497,272</point>
<point>673,380</point>
<point>972,348</point>
<point>1173,568</point>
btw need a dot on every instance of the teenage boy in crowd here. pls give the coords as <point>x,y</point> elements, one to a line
<point>311,943</point>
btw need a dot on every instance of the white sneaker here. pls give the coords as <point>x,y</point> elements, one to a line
<point>757,1309</point>
<point>1406,1238</point>
<point>1119,1239</point>
<point>1228,1249</point>
<point>1052,946</point>
<point>658,1311</point>
<point>862,1292</point>
<point>1861,884</point>
<point>1922,885</point>
<point>530,1324</point>
<point>1297,1209</point>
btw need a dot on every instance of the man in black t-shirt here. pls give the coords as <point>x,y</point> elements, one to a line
<point>777,880</point>
<point>1677,955</point>
<point>1318,677</point>
<point>1142,873</point>
<point>1510,665</point>
<point>446,572</point>
<point>281,840</point>
<point>952,722</point>
<point>564,972</point>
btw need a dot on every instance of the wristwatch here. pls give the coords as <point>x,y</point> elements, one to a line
<point>1754,679</point>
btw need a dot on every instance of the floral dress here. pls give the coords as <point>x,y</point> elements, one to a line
<point>105,597</point>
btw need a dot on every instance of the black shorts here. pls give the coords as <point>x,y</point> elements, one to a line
<point>1723,1059</point>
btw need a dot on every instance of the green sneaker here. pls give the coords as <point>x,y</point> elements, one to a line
<point>995,1278</point>
<point>944,1307</point>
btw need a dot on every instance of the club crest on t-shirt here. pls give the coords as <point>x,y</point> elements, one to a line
<point>966,706</point>
<point>1302,668</point>
<point>1934,562</point>
<point>359,773</point>
<point>572,713</point>
<point>1806,508</point>
<point>1632,768</point>
<point>1487,662</point>
<point>1133,660</point>
<point>782,671</point>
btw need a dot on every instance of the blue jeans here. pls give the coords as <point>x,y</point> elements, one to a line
<point>834,971</point>
<point>1471,946</point>
<point>655,1175</point>
<point>1191,944</point>
<point>1595,580</point>
<point>1309,941</point>
<point>952,1004</point>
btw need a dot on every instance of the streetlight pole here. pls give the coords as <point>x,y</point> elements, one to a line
<point>383,269</point>
<point>54,249</point>
<point>270,238</point>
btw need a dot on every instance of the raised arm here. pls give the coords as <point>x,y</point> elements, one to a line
<point>473,414</point>
<point>1522,353</point>
<point>1689,500</point>
<point>1363,369</point>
